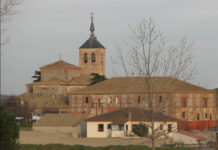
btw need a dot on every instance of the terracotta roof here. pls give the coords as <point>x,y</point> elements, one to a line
<point>60,64</point>
<point>138,85</point>
<point>201,138</point>
<point>82,80</point>
<point>137,114</point>
<point>62,119</point>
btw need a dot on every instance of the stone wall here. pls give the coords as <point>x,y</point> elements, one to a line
<point>62,74</point>
<point>57,90</point>
<point>92,67</point>
<point>171,104</point>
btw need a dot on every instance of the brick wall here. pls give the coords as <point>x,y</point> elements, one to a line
<point>171,104</point>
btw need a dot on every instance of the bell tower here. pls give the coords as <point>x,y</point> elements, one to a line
<point>92,54</point>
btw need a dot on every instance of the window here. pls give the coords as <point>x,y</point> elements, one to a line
<point>87,100</point>
<point>169,127</point>
<point>161,126</point>
<point>139,99</point>
<point>127,127</point>
<point>93,57</point>
<point>183,102</point>
<point>183,115</point>
<point>205,115</point>
<point>211,118</point>
<point>205,102</point>
<point>100,127</point>
<point>160,99</point>
<point>121,127</point>
<point>198,116</point>
<point>109,126</point>
<point>85,58</point>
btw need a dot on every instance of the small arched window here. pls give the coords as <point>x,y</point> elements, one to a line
<point>85,58</point>
<point>93,57</point>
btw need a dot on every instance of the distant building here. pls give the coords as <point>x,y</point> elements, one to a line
<point>60,123</point>
<point>120,123</point>
<point>176,98</point>
<point>64,88</point>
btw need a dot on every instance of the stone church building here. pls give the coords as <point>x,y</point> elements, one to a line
<point>64,86</point>
<point>62,78</point>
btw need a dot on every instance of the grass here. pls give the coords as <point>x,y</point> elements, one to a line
<point>25,127</point>
<point>81,147</point>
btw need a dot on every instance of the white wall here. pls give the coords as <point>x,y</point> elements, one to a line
<point>92,130</point>
<point>156,126</point>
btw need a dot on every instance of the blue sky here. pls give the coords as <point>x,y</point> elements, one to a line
<point>43,29</point>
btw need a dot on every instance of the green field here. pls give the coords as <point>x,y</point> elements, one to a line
<point>81,147</point>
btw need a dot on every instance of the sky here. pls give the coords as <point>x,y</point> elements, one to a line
<point>43,29</point>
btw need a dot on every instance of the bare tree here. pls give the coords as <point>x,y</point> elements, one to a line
<point>7,9</point>
<point>150,58</point>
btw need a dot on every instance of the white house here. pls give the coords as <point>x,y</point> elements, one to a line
<point>120,123</point>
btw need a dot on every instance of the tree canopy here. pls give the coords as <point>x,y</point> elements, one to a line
<point>97,78</point>
<point>37,76</point>
<point>9,130</point>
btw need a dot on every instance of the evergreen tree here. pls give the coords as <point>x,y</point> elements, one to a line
<point>37,76</point>
<point>97,78</point>
<point>9,130</point>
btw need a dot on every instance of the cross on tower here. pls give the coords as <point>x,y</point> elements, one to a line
<point>60,56</point>
<point>92,15</point>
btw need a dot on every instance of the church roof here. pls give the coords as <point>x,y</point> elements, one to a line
<point>60,64</point>
<point>92,42</point>
<point>82,80</point>
<point>137,85</point>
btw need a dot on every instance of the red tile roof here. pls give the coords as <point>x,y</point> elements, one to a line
<point>60,64</point>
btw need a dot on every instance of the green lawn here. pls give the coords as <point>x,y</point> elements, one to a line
<point>25,127</point>
<point>81,147</point>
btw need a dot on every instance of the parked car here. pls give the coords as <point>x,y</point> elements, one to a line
<point>36,117</point>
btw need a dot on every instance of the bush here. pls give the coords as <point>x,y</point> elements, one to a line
<point>9,130</point>
<point>140,130</point>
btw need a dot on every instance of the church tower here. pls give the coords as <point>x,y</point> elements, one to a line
<point>92,54</point>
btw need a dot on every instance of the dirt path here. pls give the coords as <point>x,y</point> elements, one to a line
<point>37,137</point>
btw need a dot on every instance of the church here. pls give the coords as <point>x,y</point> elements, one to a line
<point>64,88</point>
<point>62,78</point>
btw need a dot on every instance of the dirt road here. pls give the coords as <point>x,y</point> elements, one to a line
<point>37,137</point>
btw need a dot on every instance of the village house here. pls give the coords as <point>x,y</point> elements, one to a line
<point>120,123</point>
<point>61,123</point>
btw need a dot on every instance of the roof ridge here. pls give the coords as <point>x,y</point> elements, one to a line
<point>59,63</point>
